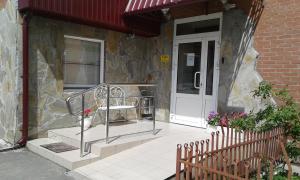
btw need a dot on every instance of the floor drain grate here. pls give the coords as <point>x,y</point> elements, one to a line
<point>59,147</point>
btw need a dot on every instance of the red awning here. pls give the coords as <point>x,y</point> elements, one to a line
<point>141,6</point>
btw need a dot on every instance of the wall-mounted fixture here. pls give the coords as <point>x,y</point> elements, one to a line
<point>227,5</point>
<point>130,36</point>
<point>166,13</point>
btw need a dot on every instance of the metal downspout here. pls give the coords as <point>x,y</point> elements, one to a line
<point>25,32</point>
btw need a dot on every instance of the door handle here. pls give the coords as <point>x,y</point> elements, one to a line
<point>195,80</point>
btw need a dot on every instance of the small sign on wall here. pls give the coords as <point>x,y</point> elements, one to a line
<point>190,59</point>
<point>165,59</point>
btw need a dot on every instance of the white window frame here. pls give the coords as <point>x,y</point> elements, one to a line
<point>195,19</point>
<point>101,42</point>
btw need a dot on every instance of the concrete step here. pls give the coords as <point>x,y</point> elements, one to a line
<point>121,137</point>
<point>70,160</point>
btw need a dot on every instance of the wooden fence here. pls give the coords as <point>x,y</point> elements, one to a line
<point>231,154</point>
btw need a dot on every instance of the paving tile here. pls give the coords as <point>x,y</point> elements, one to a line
<point>152,160</point>
<point>142,159</point>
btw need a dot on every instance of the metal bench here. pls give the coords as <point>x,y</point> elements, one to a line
<point>117,100</point>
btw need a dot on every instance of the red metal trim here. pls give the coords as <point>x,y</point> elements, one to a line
<point>149,5</point>
<point>98,13</point>
<point>22,4</point>
<point>25,28</point>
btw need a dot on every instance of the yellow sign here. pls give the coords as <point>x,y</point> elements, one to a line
<point>165,59</point>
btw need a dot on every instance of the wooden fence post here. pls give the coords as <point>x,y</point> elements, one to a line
<point>236,159</point>
<point>178,163</point>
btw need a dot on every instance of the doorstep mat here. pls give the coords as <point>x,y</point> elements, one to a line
<point>59,147</point>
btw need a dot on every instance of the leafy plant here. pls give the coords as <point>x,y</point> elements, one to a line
<point>285,113</point>
<point>264,90</point>
<point>243,123</point>
<point>214,118</point>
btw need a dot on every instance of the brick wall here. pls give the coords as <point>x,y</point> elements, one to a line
<point>277,39</point>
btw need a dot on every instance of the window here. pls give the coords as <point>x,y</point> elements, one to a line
<point>210,68</point>
<point>203,26</point>
<point>83,62</point>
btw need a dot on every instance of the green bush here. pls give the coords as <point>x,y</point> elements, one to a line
<point>245,123</point>
<point>285,113</point>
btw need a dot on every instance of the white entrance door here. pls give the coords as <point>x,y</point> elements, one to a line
<point>195,80</point>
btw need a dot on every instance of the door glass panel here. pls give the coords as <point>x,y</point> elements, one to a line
<point>210,68</point>
<point>189,64</point>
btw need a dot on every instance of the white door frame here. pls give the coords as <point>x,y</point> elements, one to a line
<point>204,37</point>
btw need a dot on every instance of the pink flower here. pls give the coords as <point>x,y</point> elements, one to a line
<point>243,114</point>
<point>212,115</point>
<point>224,121</point>
<point>87,112</point>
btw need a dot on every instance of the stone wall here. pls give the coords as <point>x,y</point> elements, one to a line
<point>161,72</point>
<point>134,60</point>
<point>238,75</point>
<point>10,71</point>
<point>126,59</point>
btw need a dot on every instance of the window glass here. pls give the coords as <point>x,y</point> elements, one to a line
<point>189,64</point>
<point>210,25</point>
<point>81,63</point>
<point>210,68</point>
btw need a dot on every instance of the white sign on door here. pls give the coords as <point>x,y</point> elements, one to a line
<point>190,59</point>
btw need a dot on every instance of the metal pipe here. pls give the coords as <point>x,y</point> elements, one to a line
<point>107,114</point>
<point>82,128</point>
<point>154,109</point>
<point>25,31</point>
<point>132,84</point>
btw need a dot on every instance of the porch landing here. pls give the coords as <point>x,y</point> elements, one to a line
<point>154,160</point>
<point>122,137</point>
<point>131,156</point>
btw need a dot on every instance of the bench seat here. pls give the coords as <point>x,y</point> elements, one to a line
<point>117,107</point>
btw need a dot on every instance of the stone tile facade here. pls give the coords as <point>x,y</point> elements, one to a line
<point>127,59</point>
<point>10,71</point>
<point>123,59</point>
<point>133,60</point>
<point>238,75</point>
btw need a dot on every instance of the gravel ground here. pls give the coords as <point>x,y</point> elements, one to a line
<point>24,165</point>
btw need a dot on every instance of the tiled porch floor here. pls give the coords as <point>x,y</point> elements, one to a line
<point>154,160</point>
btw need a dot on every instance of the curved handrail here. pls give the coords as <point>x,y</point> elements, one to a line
<point>68,99</point>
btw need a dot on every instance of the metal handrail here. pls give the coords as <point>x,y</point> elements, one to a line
<point>68,100</point>
<point>84,92</point>
<point>102,84</point>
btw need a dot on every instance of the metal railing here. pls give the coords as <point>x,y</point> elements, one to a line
<point>232,155</point>
<point>80,111</point>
